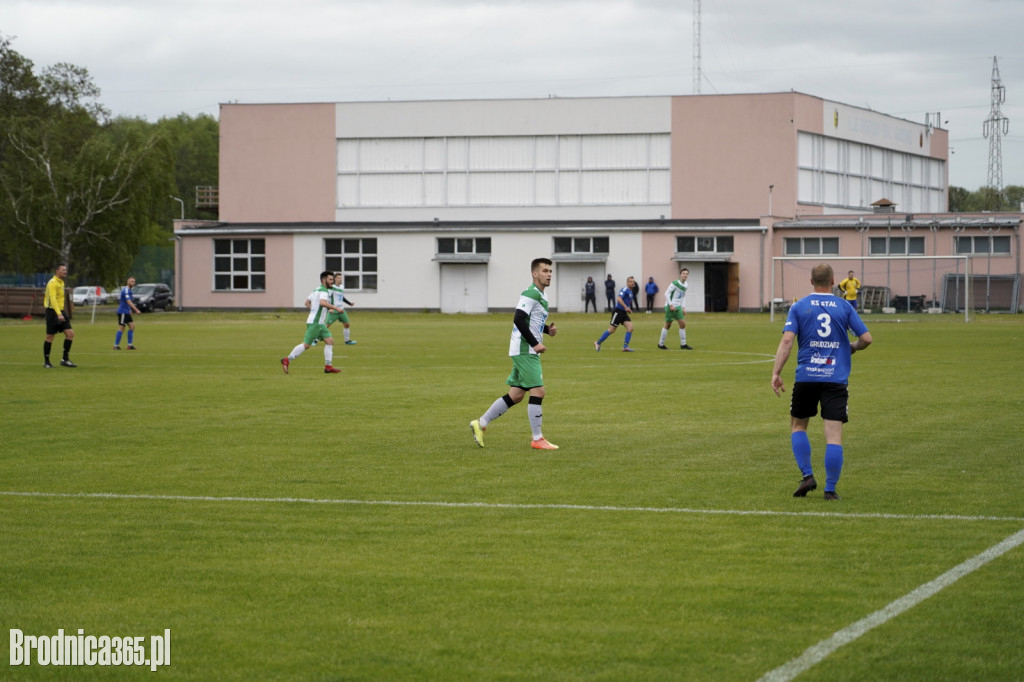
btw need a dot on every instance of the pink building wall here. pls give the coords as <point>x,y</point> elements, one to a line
<point>728,149</point>
<point>277,163</point>
<point>195,268</point>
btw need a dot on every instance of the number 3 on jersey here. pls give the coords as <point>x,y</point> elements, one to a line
<point>826,325</point>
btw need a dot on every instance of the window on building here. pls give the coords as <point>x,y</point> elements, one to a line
<point>896,246</point>
<point>239,265</point>
<point>356,259</point>
<point>581,245</point>
<point>703,244</point>
<point>997,244</point>
<point>463,244</point>
<point>811,246</point>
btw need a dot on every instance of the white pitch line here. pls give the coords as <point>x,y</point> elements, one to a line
<point>509,505</point>
<point>826,647</point>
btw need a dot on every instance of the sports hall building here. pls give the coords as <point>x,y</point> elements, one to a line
<point>441,205</point>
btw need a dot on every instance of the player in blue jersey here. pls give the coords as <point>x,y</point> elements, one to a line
<point>819,323</point>
<point>125,308</point>
<point>525,347</point>
<point>624,304</point>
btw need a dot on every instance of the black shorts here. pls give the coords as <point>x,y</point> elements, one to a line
<point>834,400</point>
<point>124,319</point>
<point>618,317</point>
<point>55,326</point>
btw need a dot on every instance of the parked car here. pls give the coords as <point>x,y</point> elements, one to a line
<point>88,295</point>
<point>149,297</point>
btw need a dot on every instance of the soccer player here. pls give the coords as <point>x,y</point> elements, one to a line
<point>125,308</point>
<point>850,288</point>
<point>675,310</point>
<point>819,323</point>
<point>620,315</point>
<point>525,348</point>
<point>339,299</point>
<point>316,325</point>
<point>56,321</point>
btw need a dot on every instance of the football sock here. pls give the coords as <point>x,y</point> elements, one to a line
<point>117,338</point>
<point>604,336</point>
<point>802,451</point>
<point>833,466</point>
<point>533,410</point>
<point>625,342</point>
<point>46,350</point>
<point>664,335</point>
<point>348,334</point>
<point>131,336</point>
<point>682,337</point>
<point>497,408</point>
<point>328,353</point>
<point>297,351</point>
<point>67,348</point>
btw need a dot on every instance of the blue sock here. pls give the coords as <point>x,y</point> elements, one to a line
<point>131,336</point>
<point>629,335</point>
<point>833,466</point>
<point>604,336</point>
<point>802,451</point>
<point>117,339</point>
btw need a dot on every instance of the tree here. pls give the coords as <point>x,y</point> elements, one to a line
<point>74,186</point>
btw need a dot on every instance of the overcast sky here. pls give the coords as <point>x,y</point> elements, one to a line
<point>900,57</point>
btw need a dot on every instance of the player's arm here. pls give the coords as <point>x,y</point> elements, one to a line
<point>522,323</point>
<point>131,304</point>
<point>346,301</point>
<point>550,329</point>
<point>862,342</point>
<point>781,356</point>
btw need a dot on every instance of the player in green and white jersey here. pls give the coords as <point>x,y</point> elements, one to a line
<point>675,310</point>
<point>525,347</point>
<point>319,304</point>
<point>338,294</point>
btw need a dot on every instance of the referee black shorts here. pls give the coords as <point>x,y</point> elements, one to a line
<point>53,325</point>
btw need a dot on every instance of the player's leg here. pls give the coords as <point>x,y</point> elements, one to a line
<point>629,334</point>
<point>834,411</point>
<point>803,406</point>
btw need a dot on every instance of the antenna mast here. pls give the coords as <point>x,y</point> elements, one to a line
<point>995,126</point>
<point>696,47</point>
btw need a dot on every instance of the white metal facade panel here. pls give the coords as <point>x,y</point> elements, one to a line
<point>603,170</point>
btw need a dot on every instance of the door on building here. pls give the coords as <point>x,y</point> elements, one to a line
<point>463,288</point>
<point>568,282</point>
<point>722,287</point>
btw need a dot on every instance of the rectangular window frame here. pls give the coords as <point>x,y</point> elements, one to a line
<point>355,258</point>
<point>239,265</point>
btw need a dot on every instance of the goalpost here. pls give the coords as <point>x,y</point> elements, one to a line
<point>889,284</point>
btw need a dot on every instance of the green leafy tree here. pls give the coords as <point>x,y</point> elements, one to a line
<point>74,186</point>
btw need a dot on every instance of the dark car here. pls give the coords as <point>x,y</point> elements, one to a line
<point>149,297</point>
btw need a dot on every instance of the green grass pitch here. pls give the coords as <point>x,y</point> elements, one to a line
<point>346,526</point>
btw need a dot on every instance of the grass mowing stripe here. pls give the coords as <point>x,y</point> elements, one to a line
<point>824,648</point>
<point>510,505</point>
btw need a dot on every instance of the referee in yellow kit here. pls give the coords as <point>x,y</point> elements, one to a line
<point>56,320</point>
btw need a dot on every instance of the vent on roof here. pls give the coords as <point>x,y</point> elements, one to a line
<point>884,206</point>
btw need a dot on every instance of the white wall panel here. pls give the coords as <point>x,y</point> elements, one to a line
<point>391,190</point>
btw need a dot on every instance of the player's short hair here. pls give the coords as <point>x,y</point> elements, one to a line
<point>326,273</point>
<point>682,270</point>
<point>538,262</point>
<point>337,275</point>
<point>822,275</point>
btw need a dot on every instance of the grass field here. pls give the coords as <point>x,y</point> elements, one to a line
<point>307,526</point>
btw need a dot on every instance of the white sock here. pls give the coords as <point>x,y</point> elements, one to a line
<point>328,353</point>
<point>682,337</point>
<point>497,408</point>
<point>536,415</point>
<point>348,334</point>
<point>297,351</point>
<point>664,334</point>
